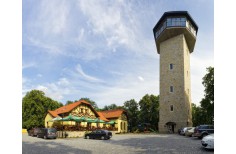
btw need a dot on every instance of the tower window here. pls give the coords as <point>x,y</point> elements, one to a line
<point>172,108</point>
<point>171,89</point>
<point>171,66</point>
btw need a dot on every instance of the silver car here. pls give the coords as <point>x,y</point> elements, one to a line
<point>189,132</point>
<point>184,130</point>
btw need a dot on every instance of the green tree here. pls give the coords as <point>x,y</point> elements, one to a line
<point>111,107</point>
<point>197,115</point>
<point>207,103</point>
<point>94,104</point>
<point>131,107</point>
<point>204,114</point>
<point>149,110</point>
<point>35,106</point>
<point>69,102</point>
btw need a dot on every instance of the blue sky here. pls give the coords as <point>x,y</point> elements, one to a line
<point>103,49</point>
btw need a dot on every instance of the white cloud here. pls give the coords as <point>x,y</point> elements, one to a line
<point>42,88</point>
<point>118,24</point>
<point>28,65</point>
<point>198,71</point>
<point>140,78</point>
<point>86,76</point>
<point>53,20</point>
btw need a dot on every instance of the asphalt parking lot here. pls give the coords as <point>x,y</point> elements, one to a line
<point>118,144</point>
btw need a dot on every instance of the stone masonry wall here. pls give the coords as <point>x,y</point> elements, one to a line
<point>175,51</point>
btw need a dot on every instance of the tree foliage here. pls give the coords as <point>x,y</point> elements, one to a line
<point>149,110</point>
<point>94,104</point>
<point>207,103</point>
<point>111,107</point>
<point>69,102</point>
<point>204,114</point>
<point>131,107</point>
<point>35,106</point>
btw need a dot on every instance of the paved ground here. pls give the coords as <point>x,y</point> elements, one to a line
<point>118,144</point>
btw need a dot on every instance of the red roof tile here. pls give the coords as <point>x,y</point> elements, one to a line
<point>112,113</point>
<point>101,116</point>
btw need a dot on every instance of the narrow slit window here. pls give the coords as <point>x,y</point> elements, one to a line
<point>172,108</point>
<point>171,66</point>
<point>171,89</point>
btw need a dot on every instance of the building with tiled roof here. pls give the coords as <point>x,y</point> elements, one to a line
<point>90,118</point>
<point>119,116</point>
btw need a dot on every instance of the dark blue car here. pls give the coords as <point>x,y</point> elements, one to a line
<point>99,134</point>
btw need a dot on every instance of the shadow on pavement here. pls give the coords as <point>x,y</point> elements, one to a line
<point>158,144</point>
<point>50,147</point>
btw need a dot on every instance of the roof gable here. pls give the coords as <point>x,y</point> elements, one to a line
<point>70,107</point>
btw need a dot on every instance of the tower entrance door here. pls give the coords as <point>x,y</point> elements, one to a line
<point>171,127</point>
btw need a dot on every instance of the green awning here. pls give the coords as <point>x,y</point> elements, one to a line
<point>111,122</point>
<point>73,118</point>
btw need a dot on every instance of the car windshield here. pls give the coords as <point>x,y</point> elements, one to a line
<point>52,130</point>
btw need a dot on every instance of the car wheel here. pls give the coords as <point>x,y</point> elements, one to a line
<point>87,137</point>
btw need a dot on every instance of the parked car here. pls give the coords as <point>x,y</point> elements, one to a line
<point>33,132</point>
<point>30,132</point>
<point>98,134</point>
<point>179,130</point>
<point>182,132</point>
<point>189,132</point>
<point>203,130</point>
<point>208,141</point>
<point>47,133</point>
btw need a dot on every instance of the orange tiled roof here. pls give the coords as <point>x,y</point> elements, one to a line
<point>112,113</point>
<point>101,116</point>
<point>68,108</point>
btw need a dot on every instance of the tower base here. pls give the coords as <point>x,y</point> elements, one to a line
<point>172,128</point>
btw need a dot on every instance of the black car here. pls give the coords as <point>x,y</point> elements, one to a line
<point>98,134</point>
<point>47,133</point>
<point>203,130</point>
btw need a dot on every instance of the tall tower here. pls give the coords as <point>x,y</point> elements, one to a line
<point>175,36</point>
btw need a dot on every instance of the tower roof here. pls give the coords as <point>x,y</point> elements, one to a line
<point>174,23</point>
<point>176,13</point>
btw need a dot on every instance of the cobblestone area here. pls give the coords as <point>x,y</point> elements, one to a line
<point>118,144</point>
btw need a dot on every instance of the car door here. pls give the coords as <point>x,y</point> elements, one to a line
<point>93,134</point>
<point>211,129</point>
<point>98,134</point>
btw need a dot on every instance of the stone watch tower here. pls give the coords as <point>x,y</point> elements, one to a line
<point>175,36</point>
